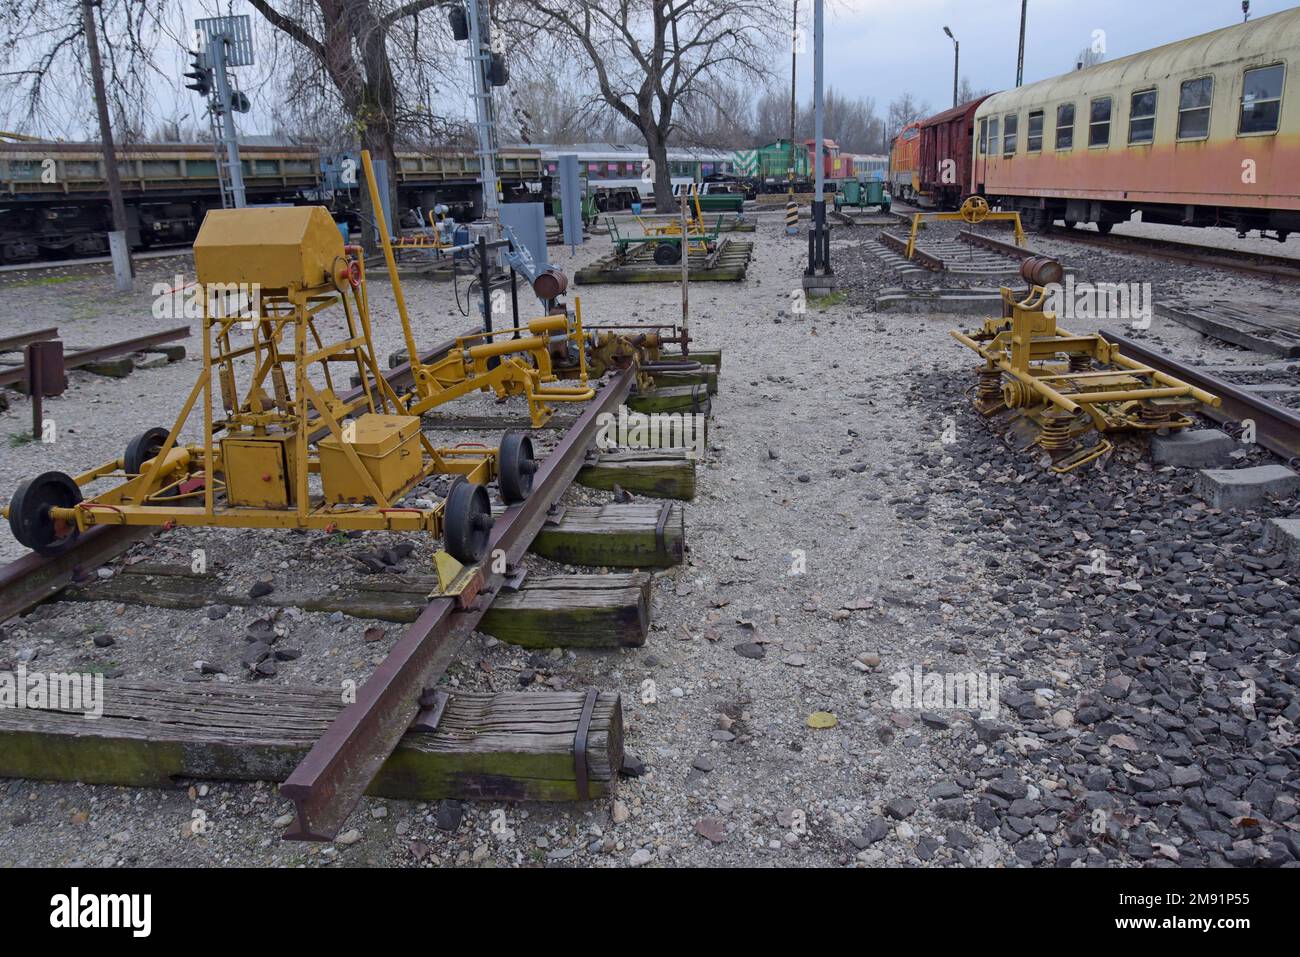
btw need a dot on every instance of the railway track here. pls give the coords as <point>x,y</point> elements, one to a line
<point>968,254</point>
<point>1277,427</point>
<point>44,265</point>
<point>335,773</point>
<point>32,579</point>
<point>330,780</point>
<point>1279,268</point>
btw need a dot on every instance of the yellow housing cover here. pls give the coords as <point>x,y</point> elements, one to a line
<point>275,247</point>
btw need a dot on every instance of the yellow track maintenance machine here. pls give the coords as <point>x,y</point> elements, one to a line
<point>974,211</point>
<point>285,450</point>
<point>521,365</point>
<point>1043,385</point>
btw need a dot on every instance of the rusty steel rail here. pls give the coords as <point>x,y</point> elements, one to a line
<point>30,580</point>
<point>898,244</point>
<point>1277,428</point>
<point>326,786</point>
<point>1273,267</point>
<point>75,360</point>
<point>16,343</point>
<point>996,245</point>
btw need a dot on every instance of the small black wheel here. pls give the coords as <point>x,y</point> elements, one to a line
<point>467,519</point>
<point>1105,228</point>
<point>1070,224</point>
<point>142,448</point>
<point>29,513</point>
<point>515,467</point>
<point>668,254</point>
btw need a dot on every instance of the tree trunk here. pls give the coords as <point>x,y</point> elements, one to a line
<point>106,129</point>
<point>378,107</point>
<point>658,150</point>
<point>377,137</point>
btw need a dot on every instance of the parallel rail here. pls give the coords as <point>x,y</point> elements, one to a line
<point>996,245</point>
<point>75,360</point>
<point>899,245</point>
<point>331,779</point>
<point>1255,264</point>
<point>1277,428</point>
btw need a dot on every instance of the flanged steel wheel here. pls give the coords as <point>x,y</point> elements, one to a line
<point>666,254</point>
<point>467,520</point>
<point>142,448</point>
<point>29,513</point>
<point>516,467</point>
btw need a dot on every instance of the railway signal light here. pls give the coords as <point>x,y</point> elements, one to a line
<point>200,74</point>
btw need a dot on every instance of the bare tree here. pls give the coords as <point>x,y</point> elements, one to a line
<point>348,47</point>
<point>966,92</point>
<point>721,120</point>
<point>905,109</point>
<point>541,107</point>
<point>1089,56</point>
<point>45,72</point>
<point>648,57</point>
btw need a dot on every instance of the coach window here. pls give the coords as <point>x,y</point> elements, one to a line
<point>1099,122</point>
<point>1261,100</point>
<point>1142,117</point>
<point>993,136</point>
<point>1194,99</point>
<point>1065,126</point>
<point>1010,135</point>
<point>984,136</point>
<point>1035,143</point>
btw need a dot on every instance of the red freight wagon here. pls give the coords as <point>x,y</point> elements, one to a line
<point>834,166</point>
<point>947,145</point>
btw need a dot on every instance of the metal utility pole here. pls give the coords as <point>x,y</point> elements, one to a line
<point>686,278</point>
<point>224,43</point>
<point>956,60</point>
<point>794,56</point>
<point>118,243</point>
<point>818,273</point>
<point>1020,63</point>
<point>480,62</point>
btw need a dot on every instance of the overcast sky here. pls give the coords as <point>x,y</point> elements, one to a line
<point>876,48</point>
<point>883,48</point>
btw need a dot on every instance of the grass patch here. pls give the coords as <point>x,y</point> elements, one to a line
<point>19,439</point>
<point>48,280</point>
<point>825,302</point>
<point>95,668</point>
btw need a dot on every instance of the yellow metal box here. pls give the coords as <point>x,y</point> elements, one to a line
<point>272,247</point>
<point>259,471</point>
<point>389,449</point>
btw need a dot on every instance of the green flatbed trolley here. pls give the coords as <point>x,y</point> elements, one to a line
<point>666,241</point>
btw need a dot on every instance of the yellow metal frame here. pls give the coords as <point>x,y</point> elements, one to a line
<point>1071,384</point>
<point>522,367</point>
<point>424,240</point>
<point>183,484</point>
<point>974,211</point>
<point>697,238</point>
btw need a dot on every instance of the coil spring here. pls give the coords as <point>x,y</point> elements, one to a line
<point>1056,432</point>
<point>989,387</point>
<point>1153,415</point>
<point>1080,363</point>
